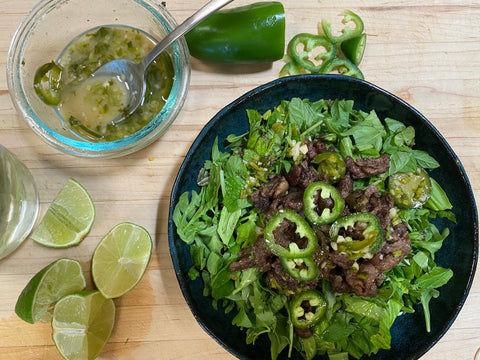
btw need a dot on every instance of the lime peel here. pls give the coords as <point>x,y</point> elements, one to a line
<point>58,279</point>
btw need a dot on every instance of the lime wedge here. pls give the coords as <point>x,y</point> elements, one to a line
<point>68,219</point>
<point>60,278</point>
<point>120,259</point>
<point>82,324</point>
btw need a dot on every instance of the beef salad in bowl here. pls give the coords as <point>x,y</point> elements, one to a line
<point>323,217</point>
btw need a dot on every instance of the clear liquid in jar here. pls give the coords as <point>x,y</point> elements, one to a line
<point>18,202</point>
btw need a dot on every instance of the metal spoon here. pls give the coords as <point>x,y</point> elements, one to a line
<point>133,75</point>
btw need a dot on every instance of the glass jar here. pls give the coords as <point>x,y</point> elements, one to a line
<point>18,202</point>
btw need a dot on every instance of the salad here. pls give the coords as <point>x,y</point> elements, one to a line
<point>315,229</point>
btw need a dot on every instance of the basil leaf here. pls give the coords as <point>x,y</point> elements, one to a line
<point>233,192</point>
<point>424,160</point>
<point>214,263</point>
<point>438,198</point>
<point>340,115</point>
<point>301,114</point>
<point>364,307</point>
<point>222,283</point>
<point>402,161</point>
<point>394,126</point>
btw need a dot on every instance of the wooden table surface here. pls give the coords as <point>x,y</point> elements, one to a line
<point>426,52</point>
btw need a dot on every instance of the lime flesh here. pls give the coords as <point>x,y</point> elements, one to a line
<point>68,219</point>
<point>120,259</point>
<point>82,324</point>
<point>60,278</point>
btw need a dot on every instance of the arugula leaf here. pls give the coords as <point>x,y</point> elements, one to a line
<point>279,338</point>
<point>218,157</point>
<point>254,119</point>
<point>399,136</point>
<point>394,126</point>
<point>199,254</point>
<point>185,216</point>
<point>435,278</point>
<point>340,328</point>
<point>382,339</point>
<point>242,319</point>
<point>227,223</point>
<point>309,346</point>
<point>247,277</point>
<point>425,288</point>
<point>232,195</point>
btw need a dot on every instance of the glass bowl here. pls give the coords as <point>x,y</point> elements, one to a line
<point>45,32</point>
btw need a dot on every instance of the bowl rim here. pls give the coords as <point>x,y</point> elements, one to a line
<point>281,82</point>
<point>134,142</point>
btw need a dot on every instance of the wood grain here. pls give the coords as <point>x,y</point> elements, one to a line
<point>426,52</point>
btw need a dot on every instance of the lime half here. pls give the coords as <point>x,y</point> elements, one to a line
<point>68,219</point>
<point>120,259</point>
<point>60,278</point>
<point>82,324</point>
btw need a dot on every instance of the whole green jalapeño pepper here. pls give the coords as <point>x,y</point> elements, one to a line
<point>322,203</point>
<point>249,34</point>
<point>311,52</point>
<point>307,308</point>
<point>297,236</point>
<point>46,83</point>
<point>303,269</point>
<point>370,242</point>
<point>347,32</point>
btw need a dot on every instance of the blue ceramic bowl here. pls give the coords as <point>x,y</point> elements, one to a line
<point>459,252</point>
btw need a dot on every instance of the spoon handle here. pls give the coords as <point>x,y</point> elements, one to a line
<point>183,28</point>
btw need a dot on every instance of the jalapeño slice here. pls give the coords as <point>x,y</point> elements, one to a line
<point>322,203</point>
<point>343,231</point>
<point>296,238</point>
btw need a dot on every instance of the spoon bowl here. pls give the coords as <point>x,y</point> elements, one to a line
<point>132,78</point>
<point>133,75</point>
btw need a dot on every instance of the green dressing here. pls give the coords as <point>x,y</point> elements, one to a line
<point>88,105</point>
